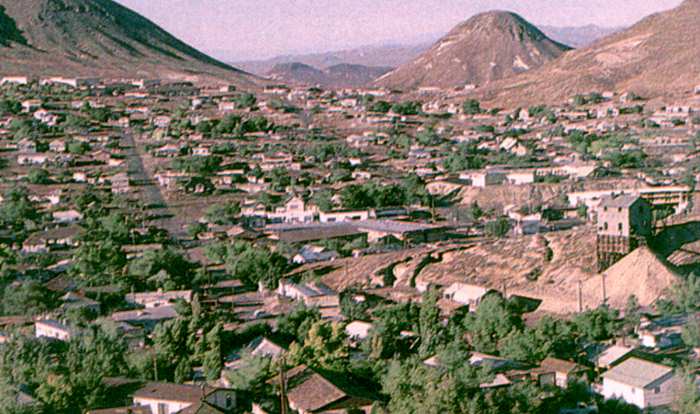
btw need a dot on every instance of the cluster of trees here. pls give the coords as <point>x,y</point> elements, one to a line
<point>67,377</point>
<point>371,195</point>
<point>399,108</point>
<point>234,125</point>
<point>395,363</point>
<point>248,263</point>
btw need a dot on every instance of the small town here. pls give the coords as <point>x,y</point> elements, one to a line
<point>181,247</point>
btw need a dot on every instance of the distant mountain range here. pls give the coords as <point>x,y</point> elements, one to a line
<point>578,37</point>
<point>372,59</point>
<point>343,75</point>
<point>487,47</point>
<point>371,56</point>
<point>659,56</point>
<point>92,38</point>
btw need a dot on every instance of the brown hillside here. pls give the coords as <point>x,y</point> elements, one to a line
<point>97,38</point>
<point>485,48</point>
<point>658,56</point>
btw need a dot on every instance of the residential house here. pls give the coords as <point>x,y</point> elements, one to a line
<point>169,398</point>
<point>358,330</point>
<point>120,183</point>
<point>344,215</point>
<point>313,254</point>
<point>612,355</point>
<point>57,145</point>
<point>295,210</point>
<point>31,105</point>
<point>466,294</point>
<point>26,145</point>
<point>67,216</point>
<point>409,232</point>
<point>662,333</point>
<point>59,237</point>
<point>565,372</point>
<point>73,300</point>
<point>159,298</point>
<point>642,383</point>
<point>16,80</point>
<point>53,330</point>
<point>33,159</point>
<point>147,318</point>
<point>310,392</point>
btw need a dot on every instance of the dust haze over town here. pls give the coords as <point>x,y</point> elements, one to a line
<point>349,207</point>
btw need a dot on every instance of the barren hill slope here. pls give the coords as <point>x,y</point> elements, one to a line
<point>97,38</point>
<point>487,47</point>
<point>659,56</point>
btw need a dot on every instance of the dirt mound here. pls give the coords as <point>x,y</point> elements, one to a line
<point>641,273</point>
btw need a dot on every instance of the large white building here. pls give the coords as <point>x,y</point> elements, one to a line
<point>641,383</point>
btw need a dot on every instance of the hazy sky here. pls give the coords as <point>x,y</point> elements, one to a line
<point>254,29</point>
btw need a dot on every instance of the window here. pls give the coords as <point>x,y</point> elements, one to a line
<point>605,225</point>
<point>657,390</point>
<point>163,408</point>
<point>619,226</point>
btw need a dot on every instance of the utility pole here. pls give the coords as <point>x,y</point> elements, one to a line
<point>605,296</point>
<point>155,367</point>
<point>580,297</point>
<point>283,387</point>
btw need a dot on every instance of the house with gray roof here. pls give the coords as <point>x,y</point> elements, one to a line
<point>642,383</point>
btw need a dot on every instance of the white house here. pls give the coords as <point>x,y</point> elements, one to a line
<point>465,294</point>
<point>158,298</point>
<point>52,329</point>
<point>358,330</point>
<point>641,383</point>
<point>295,210</point>
<point>170,398</point>
<point>68,216</point>
<point>313,254</point>
<point>16,80</point>
<point>611,355</point>
<point>341,216</point>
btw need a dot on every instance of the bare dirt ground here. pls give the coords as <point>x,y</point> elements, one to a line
<point>548,267</point>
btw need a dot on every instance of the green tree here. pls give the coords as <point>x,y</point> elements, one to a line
<point>498,228</point>
<point>254,265</point>
<point>597,324</point>
<point>38,176</point>
<point>325,347</point>
<point>429,326</point>
<point>295,325</point>
<point>252,375</point>
<point>491,323</point>
<point>472,107</point>
<point>213,358</point>
<point>167,269</point>
<point>223,214</point>
<point>27,298</point>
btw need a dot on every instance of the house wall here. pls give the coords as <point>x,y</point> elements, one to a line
<point>632,395</point>
<point>343,216</point>
<point>613,221</point>
<point>222,398</point>
<point>162,406</point>
<point>51,332</point>
<point>667,387</point>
